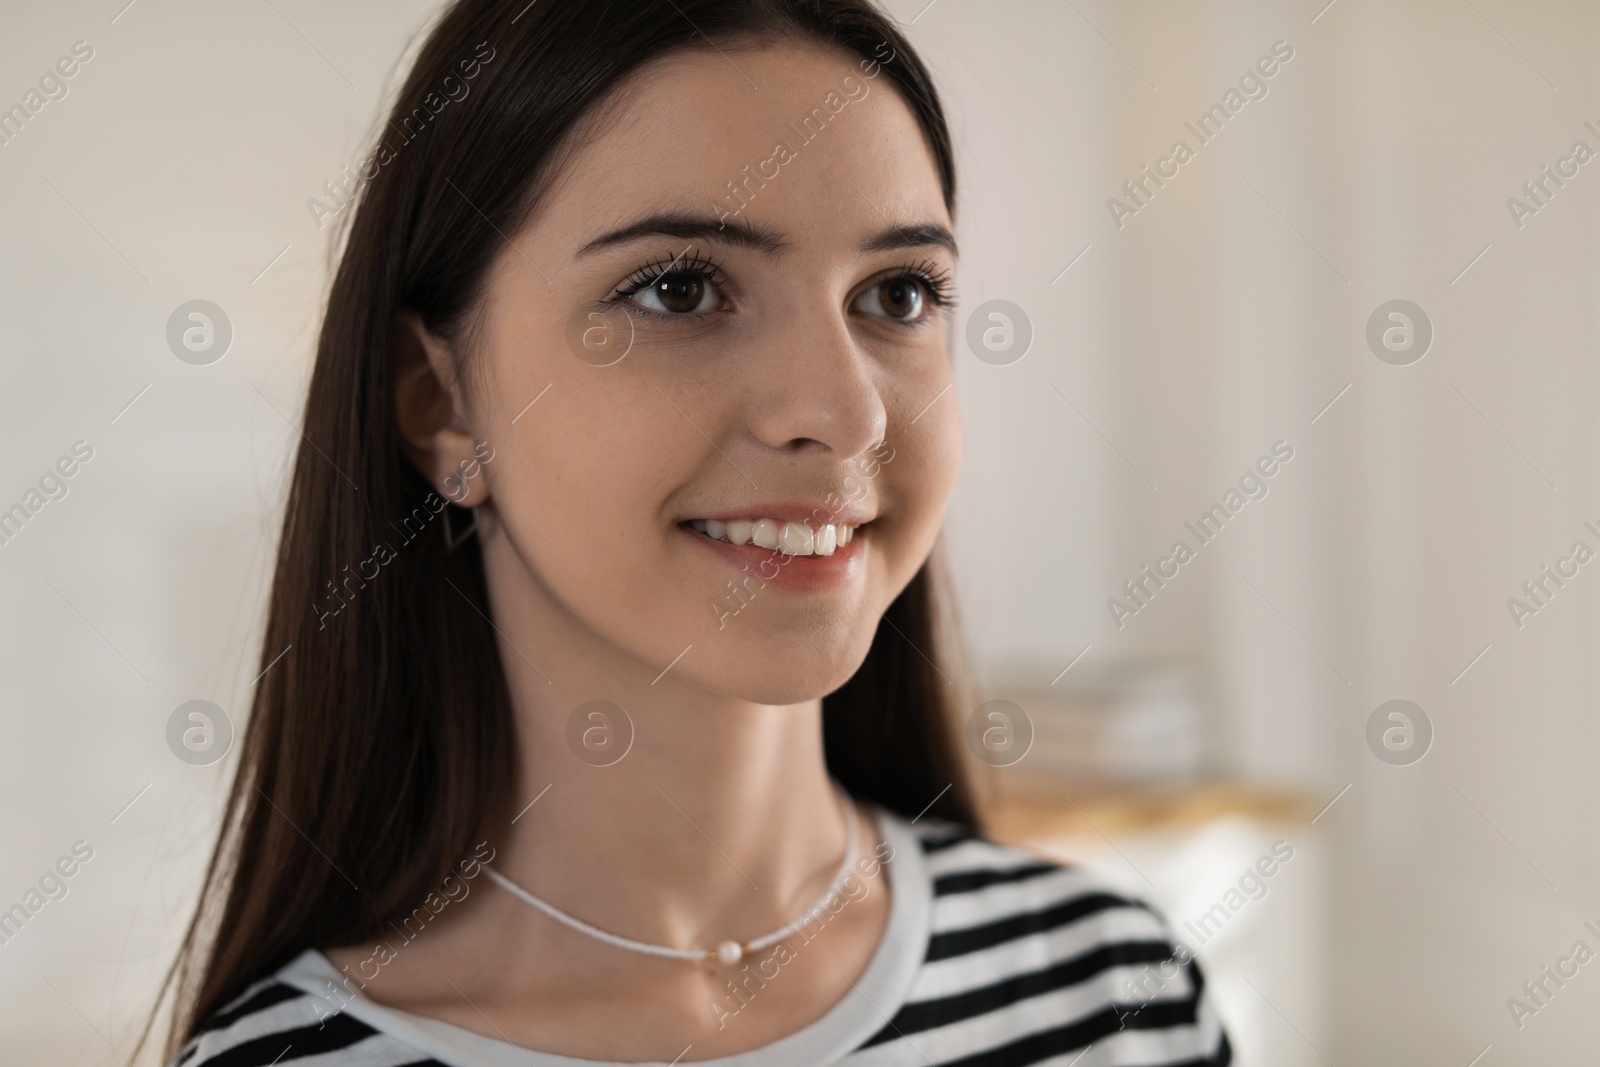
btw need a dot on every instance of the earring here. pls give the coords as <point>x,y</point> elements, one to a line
<point>453,540</point>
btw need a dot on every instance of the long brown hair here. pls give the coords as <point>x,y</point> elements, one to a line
<point>380,738</point>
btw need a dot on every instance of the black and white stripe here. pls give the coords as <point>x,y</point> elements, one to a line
<point>1030,962</point>
<point>1025,963</point>
<point>272,1023</point>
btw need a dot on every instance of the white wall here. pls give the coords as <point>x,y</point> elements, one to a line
<point>1225,315</point>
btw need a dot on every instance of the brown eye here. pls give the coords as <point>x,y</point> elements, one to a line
<point>678,293</point>
<point>894,298</point>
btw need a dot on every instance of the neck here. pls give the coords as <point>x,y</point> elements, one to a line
<point>718,820</point>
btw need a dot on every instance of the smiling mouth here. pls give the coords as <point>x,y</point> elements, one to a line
<point>789,538</point>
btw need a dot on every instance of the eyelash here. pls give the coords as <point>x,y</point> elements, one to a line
<point>935,280</point>
<point>698,267</point>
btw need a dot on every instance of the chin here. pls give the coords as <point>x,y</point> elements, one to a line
<point>779,672</point>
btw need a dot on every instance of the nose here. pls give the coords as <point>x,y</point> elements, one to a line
<point>820,389</point>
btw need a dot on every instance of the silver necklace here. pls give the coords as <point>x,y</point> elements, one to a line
<point>730,951</point>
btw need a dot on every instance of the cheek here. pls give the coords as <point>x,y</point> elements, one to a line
<point>916,483</point>
<point>582,488</point>
<point>927,458</point>
<point>944,447</point>
<point>579,468</point>
<point>582,485</point>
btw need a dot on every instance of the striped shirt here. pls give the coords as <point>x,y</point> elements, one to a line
<point>991,957</point>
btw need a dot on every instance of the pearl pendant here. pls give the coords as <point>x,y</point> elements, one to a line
<point>729,952</point>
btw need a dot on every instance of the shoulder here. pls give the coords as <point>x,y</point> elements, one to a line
<point>275,1023</point>
<point>986,894</point>
<point>1044,958</point>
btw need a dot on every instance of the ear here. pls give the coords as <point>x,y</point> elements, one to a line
<point>429,413</point>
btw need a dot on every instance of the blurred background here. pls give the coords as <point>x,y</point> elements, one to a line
<point>1344,264</point>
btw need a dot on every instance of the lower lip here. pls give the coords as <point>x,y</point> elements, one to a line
<point>797,574</point>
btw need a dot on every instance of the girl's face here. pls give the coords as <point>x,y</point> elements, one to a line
<point>729,309</point>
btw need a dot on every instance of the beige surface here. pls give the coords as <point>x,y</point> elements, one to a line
<point>1114,811</point>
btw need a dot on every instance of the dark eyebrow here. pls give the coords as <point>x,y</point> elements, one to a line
<point>692,227</point>
<point>741,234</point>
<point>914,236</point>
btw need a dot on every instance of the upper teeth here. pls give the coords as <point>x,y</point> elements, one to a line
<point>790,538</point>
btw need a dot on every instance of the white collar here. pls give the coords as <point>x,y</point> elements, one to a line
<point>878,994</point>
